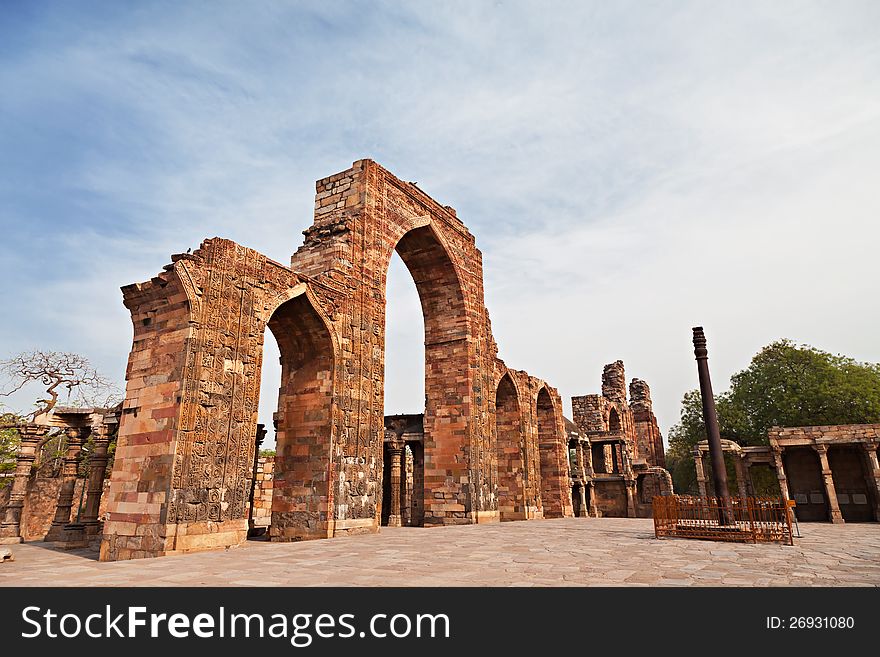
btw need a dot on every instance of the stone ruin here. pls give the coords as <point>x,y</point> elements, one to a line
<point>494,442</point>
<point>617,459</point>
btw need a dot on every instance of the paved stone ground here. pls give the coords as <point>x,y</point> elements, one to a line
<point>565,552</point>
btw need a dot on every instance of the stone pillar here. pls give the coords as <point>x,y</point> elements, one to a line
<point>740,475</point>
<point>630,498</point>
<point>258,441</point>
<point>75,438</point>
<point>579,460</point>
<point>587,451</point>
<point>583,511</point>
<point>10,528</point>
<point>836,516</point>
<point>405,502</point>
<point>395,453</point>
<point>780,473</point>
<point>97,470</point>
<point>591,492</point>
<point>873,476</point>
<point>701,474</point>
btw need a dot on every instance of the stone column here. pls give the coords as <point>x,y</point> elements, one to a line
<point>780,473</point>
<point>583,511</point>
<point>97,470</point>
<point>404,498</point>
<point>395,452</point>
<point>630,498</point>
<point>701,474</point>
<point>836,516</point>
<point>580,478</point>
<point>75,438</point>
<point>10,528</point>
<point>591,492</point>
<point>873,476</point>
<point>740,475</point>
<point>578,460</point>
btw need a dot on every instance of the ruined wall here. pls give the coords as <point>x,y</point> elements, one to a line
<point>40,502</point>
<point>648,443</point>
<point>183,466</point>
<point>182,474</point>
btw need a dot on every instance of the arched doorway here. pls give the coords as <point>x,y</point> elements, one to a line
<point>511,452</point>
<point>447,406</point>
<point>548,446</point>
<point>301,504</point>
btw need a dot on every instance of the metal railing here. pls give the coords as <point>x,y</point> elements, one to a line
<point>744,519</point>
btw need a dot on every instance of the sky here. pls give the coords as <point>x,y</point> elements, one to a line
<point>629,169</point>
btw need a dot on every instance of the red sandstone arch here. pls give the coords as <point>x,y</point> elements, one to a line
<point>301,499</point>
<point>553,454</point>
<point>512,470</point>
<point>446,365</point>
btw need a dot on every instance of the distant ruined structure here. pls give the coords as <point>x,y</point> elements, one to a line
<point>494,443</point>
<point>616,450</point>
<point>832,473</point>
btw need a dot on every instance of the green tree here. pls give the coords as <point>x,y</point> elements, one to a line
<point>785,385</point>
<point>8,446</point>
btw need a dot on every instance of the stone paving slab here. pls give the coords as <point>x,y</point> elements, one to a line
<point>563,552</point>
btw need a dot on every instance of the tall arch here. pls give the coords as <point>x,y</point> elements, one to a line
<point>301,497</point>
<point>512,470</point>
<point>447,386</point>
<point>552,449</point>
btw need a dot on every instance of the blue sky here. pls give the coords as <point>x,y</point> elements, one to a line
<point>629,169</point>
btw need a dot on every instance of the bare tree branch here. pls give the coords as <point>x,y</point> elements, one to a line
<point>57,370</point>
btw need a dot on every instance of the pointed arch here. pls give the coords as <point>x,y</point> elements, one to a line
<point>552,448</point>
<point>613,420</point>
<point>302,498</point>
<point>510,445</point>
<point>447,383</point>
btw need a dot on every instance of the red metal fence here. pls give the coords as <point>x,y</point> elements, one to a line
<point>745,519</point>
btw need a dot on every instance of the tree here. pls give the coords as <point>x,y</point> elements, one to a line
<point>9,440</point>
<point>58,371</point>
<point>785,385</point>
